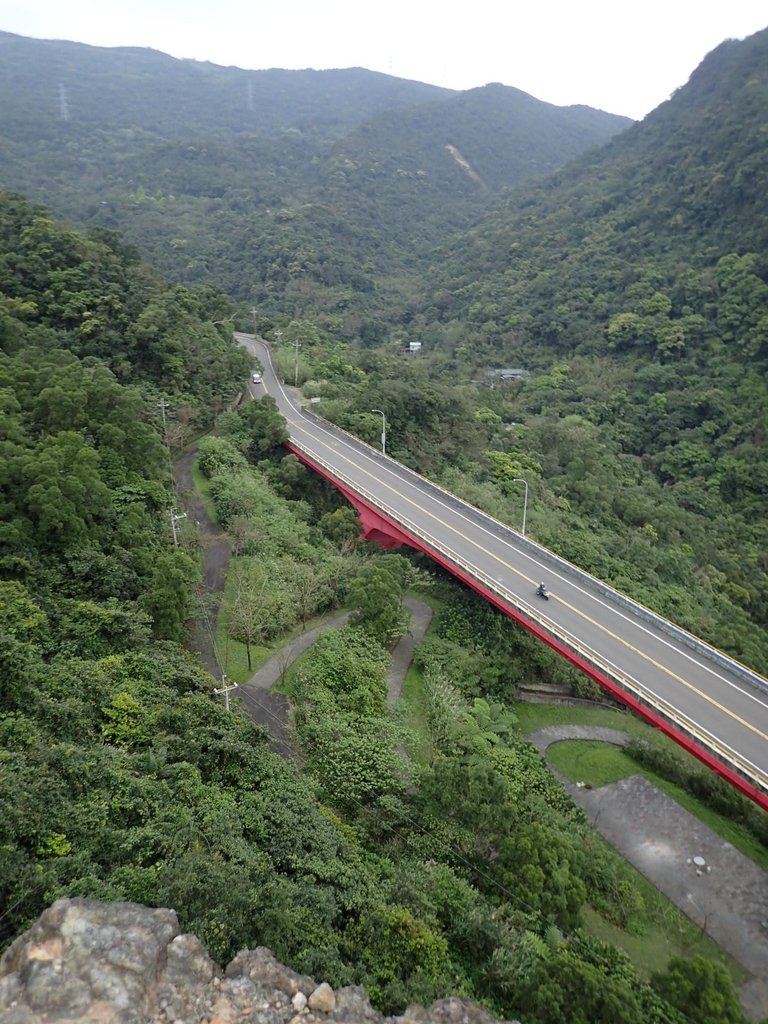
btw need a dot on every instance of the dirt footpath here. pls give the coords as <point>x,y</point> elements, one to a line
<point>272,710</point>
<point>216,556</point>
<point>402,656</point>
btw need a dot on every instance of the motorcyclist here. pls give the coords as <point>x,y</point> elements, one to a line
<point>542,589</point>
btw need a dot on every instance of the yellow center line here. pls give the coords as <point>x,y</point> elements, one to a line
<point>573,608</point>
<point>663,668</point>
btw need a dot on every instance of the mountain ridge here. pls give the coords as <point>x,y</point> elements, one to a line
<point>199,165</point>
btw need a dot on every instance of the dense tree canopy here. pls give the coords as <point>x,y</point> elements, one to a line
<point>630,289</point>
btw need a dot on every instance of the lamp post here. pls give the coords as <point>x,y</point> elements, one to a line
<point>383,430</point>
<point>519,480</point>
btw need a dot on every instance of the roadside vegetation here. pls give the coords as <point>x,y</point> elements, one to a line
<point>432,853</point>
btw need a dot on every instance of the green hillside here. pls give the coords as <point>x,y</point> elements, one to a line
<point>113,89</point>
<point>290,189</point>
<point>633,287</point>
<point>123,778</point>
<point>629,285</point>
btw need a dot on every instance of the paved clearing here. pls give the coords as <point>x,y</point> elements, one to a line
<point>727,896</point>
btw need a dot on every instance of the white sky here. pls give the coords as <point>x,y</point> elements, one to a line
<point>624,57</point>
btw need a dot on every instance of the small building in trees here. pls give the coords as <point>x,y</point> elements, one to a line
<point>494,377</point>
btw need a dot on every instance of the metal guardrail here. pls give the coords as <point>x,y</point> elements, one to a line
<point>745,673</point>
<point>627,683</point>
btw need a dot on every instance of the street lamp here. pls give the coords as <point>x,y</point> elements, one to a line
<point>383,430</point>
<point>519,480</point>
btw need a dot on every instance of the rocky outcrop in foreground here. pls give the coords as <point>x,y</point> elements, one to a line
<point>85,962</point>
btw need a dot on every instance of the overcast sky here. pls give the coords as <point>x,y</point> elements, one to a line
<point>626,58</point>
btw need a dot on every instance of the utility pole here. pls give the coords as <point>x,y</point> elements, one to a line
<point>226,690</point>
<point>519,480</point>
<point>254,311</point>
<point>383,430</point>
<point>296,374</point>
<point>175,517</point>
<point>162,406</point>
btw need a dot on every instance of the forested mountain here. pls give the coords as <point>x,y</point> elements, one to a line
<point>633,286</point>
<point>121,777</point>
<point>675,192</point>
<point>128,88</point>
<point>292,189</point>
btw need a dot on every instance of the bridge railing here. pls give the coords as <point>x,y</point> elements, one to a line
<point>714,655</point>
<point>626,682</point>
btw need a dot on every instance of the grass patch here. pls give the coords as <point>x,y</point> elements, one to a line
<point>234,657</point>
<point>414,719</point>
<point>672,934</point>
<point>410,706</point>
<point>538,716</point>
<point>427,597</point>
<point>203,488</point>
<point>591,761</point>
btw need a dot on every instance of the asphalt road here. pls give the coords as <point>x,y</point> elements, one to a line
<point>712,703</point>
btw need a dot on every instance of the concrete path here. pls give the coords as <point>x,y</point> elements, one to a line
<point>272,710</point>
<point>216,557</point>
<point>402,656</point>
<point>274,669</point>
<point>727,896</point>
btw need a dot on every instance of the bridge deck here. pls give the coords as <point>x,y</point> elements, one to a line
<point>701,692</point>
